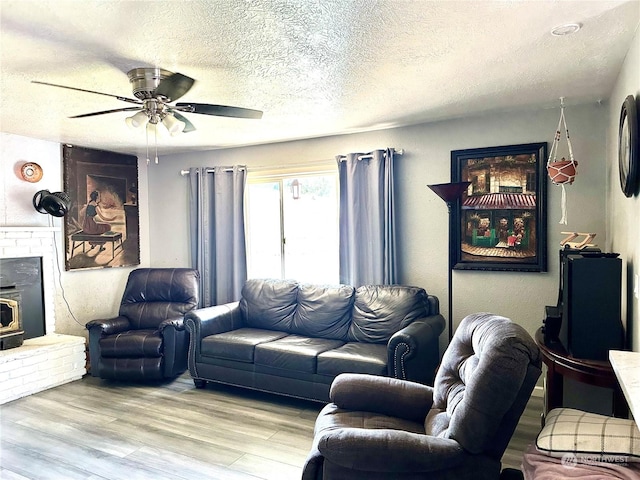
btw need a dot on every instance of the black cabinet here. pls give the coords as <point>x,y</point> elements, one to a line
<point>591,292</point>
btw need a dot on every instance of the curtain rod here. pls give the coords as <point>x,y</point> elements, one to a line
<point>399,151</point>
<point>268,167</point>
<point>308,164</point>
<point>210,170</point>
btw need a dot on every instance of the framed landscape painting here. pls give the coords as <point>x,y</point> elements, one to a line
<point>500,221</point>
<point>102,226</point>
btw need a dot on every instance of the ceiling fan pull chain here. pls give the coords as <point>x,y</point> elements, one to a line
<point>155,134</point>
<point>146,131</point>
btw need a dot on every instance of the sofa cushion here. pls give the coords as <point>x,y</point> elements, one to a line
<point>354,357</point>
<point>333,417</point>
<point>132,343</point>
<point>269,304</point>
<point>381,310</point>
<point>237,344</point>
<point>293,352</point>
<point>323,311</point>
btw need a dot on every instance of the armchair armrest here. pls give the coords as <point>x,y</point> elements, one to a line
<point>176,343</point>
<point>177,323</point>
<point>387,396</point>
<point>383,450</point>
<point>98,328</point>
<point>109,326</point>
<point>414,352</point>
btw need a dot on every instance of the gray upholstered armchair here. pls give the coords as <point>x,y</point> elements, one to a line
<point>384,428</point>
<point>147,340</point>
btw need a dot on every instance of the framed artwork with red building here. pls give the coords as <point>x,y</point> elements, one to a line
<point>500,222</point>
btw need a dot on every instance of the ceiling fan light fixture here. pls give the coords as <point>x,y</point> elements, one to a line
<point>154,89</point>
<point>173,125</point>
<point>152,128</point>
<point>138,120</point>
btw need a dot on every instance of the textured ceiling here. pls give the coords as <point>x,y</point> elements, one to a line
<point>314,67</point>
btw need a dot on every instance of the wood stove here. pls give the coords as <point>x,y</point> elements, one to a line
<point>11,333</point>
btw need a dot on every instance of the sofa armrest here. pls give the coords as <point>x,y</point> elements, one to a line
<point>203,322</point>
<point>384,395</point>
<point>389,451</point>
<point>414,352</point>
<point>109,326</point>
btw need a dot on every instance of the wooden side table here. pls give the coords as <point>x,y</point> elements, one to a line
<point>561,364</point>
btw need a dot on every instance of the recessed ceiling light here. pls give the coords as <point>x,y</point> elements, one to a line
<point>566,29</point>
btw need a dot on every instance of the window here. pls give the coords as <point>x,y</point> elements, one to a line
<point>292,225</point>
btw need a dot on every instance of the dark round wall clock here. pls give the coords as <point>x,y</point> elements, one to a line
<point>628,147</point>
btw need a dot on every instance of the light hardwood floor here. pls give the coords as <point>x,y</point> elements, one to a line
<point>93,429</point>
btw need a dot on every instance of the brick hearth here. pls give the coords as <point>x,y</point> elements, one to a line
<point>43,362</point>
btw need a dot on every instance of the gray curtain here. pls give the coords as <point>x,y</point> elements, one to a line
<point>367,219</point>
<point>216,215</point>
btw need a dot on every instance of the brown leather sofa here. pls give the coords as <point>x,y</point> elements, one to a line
<point>147,340</point>
<point>294,339</point>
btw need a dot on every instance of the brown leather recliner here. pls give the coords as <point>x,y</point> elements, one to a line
<point>384,428</point>
<point>147,340</point>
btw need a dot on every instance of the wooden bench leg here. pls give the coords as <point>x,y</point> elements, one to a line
<point>119,244</point>
<point>74,246</point>
<point>116,244</point>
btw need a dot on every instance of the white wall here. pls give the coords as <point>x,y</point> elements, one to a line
<point>422,216</point>
<point>423,221</point>
<point>623,214</point>
<point>90,293</point>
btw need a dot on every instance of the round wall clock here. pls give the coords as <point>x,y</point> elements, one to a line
<point>628,147</point>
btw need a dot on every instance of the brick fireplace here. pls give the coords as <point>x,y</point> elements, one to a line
<point>49,360</point>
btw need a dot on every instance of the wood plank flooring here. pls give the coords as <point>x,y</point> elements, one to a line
<point>94,429</point>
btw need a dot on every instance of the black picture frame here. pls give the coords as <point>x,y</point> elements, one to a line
<point>103,186</point>
<point>500,221</point>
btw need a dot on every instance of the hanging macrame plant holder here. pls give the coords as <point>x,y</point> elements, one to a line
<point>563,171</point>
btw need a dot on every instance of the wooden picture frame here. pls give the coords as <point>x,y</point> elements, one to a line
<point>102,226</point>
<point>500,221</point>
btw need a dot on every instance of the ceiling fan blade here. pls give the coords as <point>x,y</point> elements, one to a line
<point>220,110</point>
<point>188,126</point>
<point>124,99</point>
<point>128,109</point>
<point>174,87</point>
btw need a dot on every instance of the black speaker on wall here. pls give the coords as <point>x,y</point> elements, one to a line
<point>591,292</point>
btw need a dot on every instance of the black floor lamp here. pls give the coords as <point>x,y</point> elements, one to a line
<point>450,193</point>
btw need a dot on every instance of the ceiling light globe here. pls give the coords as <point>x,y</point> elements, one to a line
<point>174,126</point>
<point>138,120</point>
